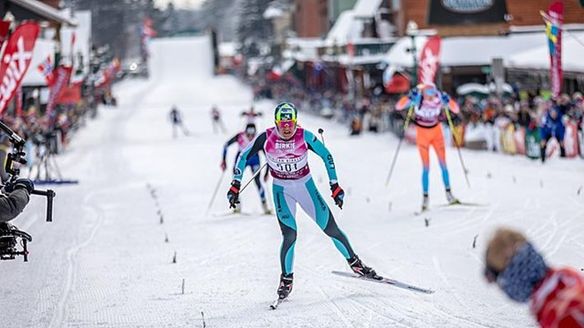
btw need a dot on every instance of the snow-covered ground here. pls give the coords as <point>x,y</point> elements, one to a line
<point>104,261</point>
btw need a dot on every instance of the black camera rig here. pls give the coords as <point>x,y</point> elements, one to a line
<point>10,236</point>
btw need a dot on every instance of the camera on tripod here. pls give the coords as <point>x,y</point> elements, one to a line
<point>10,236</point>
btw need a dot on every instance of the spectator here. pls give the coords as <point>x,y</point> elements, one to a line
<point>555,295</point>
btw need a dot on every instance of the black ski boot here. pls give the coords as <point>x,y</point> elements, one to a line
<point>361,269</point>
<point>285,287</point>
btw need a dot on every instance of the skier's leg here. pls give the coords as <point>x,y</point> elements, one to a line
<point>314,205</point>
<point>286,211</point>
<point>440,149</point>
<point>423,143</point>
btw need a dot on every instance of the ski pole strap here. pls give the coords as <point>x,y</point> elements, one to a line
<point>336,191</point>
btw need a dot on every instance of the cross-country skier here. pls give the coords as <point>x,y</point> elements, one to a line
<point>286,147</point>
<point>251,115</point>
<point>176,120</point>
<point>428,105</point>
<point>243,139</point>
<point>216,120</point>
<point>555,295</point>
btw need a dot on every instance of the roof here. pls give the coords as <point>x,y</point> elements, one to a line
<point>477,51</point>
<point>44,11</point>
<point>539,58</point>
<point>366,8</point>
<point>346,29</point>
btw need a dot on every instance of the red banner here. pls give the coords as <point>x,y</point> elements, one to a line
<point>429,60</point>
<point>15,60</point>
<point>71,94</point>
<point>62,75</point>
<point>4,29</point>
<point>553,30</point>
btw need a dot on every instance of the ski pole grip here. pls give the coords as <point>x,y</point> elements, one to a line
<point>50,194</point>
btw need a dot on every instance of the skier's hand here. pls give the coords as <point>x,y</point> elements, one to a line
<point>233,193</point>
<point>223,166</point>
<point>445,98</point>
<point>413,93</point>
<point>21,183</point>
<point>337,194</point>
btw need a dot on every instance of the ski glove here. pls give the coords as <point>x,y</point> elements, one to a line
<point>445,98</point>
<point>337,194</point>
<point>20,183</point>
<point>233,193</point>
<point>223,166</point>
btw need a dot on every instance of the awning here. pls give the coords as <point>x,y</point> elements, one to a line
<point>38,9</point>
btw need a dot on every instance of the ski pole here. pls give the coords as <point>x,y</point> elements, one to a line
<point>215,192</point>
<point>406,123</point>
<point>456,144</point>
<point>320,131</point>
<point>253,177</point>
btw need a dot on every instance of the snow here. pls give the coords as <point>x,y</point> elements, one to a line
<point>366,8</point>
<point>346,29</point>
<point>103,261</point>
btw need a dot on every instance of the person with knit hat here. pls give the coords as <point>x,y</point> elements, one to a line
<point>555,295</point>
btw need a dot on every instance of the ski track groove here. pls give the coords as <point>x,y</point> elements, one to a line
<point>59,316</point>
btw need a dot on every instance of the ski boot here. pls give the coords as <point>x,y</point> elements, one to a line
<point>361,269</point>
<point>285,287</point>
<point>237,208</point>
<point>425,203</point>
<point>450,198</point>
<point>267,210</point>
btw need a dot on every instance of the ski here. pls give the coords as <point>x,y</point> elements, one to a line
<point>459,203</point>
<point>276,303</point>
<point>388,281</point>
<point>231,213</point>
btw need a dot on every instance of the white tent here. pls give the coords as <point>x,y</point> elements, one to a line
<point>539,57</point>
<point>345,30</point>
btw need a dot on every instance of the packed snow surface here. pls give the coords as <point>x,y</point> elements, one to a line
<point>104,261</point>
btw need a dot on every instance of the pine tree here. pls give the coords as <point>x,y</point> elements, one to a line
<point>253,30</point>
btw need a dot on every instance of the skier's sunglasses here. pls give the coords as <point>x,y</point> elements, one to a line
<point>286,120</point>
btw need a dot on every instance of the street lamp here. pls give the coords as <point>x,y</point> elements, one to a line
<point>412,32</point>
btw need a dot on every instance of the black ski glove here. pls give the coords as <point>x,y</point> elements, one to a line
<point>337,194</point>
<point>233,193</point>
<point>22,183</point>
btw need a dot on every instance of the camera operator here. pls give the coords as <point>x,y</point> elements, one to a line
<point>14,198</point>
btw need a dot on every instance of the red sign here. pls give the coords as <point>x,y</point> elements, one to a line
<point>71,94</point>
<point>62,75</point>
<point>15,60</point>
<point>429,60</point>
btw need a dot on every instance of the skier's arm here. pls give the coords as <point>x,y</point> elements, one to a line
<point>251,150</point>
<point>12,204</point>
<point>319,148</point>
<point>227,144</point>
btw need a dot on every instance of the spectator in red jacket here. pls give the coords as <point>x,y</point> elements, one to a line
<point>555,295</point>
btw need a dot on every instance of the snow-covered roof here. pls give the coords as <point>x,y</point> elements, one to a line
<point>469,51</point>
<point>539,58</point>
<point>346,29</point>
<point>227,49</point>
<point>366,8</point>
<point>273,12</point>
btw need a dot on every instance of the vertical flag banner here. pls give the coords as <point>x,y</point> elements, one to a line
<point>15,60</point>
<point>554,19</point>
<point>61,80</point>
<point>429,61</point>
<point>4,29</point>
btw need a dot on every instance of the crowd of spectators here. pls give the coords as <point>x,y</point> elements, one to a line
<point>512,124</point>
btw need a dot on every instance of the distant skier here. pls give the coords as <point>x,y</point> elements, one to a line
<point>552,126</point>
<point>175,117</point>
<point>251,115</point>
<point>555,295</point>
<point>243,139</point>
<point>428,104</point>
<point>286,147</point>
<point>216,120</point>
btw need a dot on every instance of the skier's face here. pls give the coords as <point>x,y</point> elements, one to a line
<point>286,128</point>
